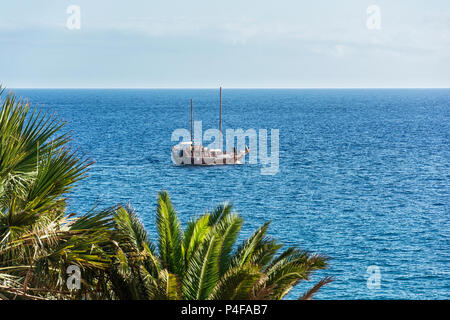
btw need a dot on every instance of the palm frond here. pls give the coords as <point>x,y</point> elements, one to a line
<point>291,267</point>
<point>311,292</point>
<point>133,238</point>
<point>244,253</point>
<point>195,234</point>
<point>228,229</point>
<point>168,287</point>
<point>236,283</point>
<point>220,212</point>
<point>170,236</point>
<point>202,271</point>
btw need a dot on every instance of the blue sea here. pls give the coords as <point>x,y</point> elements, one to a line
<point>364,175</point>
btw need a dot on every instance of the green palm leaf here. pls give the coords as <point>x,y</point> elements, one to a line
<point>195,234</point>
<point>228,229</point>
<point>170,236</point>
<point>289,268</point>
<point>220,212</point>
<point>202,271</point>
<point>244,253</point>
<point>236,283</point>
<point>168,287</point>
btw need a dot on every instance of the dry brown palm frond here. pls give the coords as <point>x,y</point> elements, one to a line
<point>309,294</point>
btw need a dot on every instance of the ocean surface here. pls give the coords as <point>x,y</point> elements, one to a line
<point>364,175</point>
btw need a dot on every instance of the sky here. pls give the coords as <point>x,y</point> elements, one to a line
<point>236,44</point>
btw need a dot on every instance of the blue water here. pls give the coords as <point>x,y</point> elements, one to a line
<point>364,174</point>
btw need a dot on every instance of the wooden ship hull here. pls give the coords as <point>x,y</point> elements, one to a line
<point>186,153</point>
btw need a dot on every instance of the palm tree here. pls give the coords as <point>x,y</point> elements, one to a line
<point>37,239</point>
<point>203,262</point>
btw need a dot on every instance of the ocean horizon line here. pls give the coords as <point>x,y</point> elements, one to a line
<point>228,88</point>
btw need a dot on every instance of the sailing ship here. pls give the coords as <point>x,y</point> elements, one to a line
<point>188,153</point>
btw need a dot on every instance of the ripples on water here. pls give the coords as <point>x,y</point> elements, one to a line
<point>364,174</point>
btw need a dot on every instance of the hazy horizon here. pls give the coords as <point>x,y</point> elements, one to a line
<point>227,88</point>
<point>202,44</point>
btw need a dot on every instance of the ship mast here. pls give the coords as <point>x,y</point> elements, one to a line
<point>192,127</point>
<point>220,119</point>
